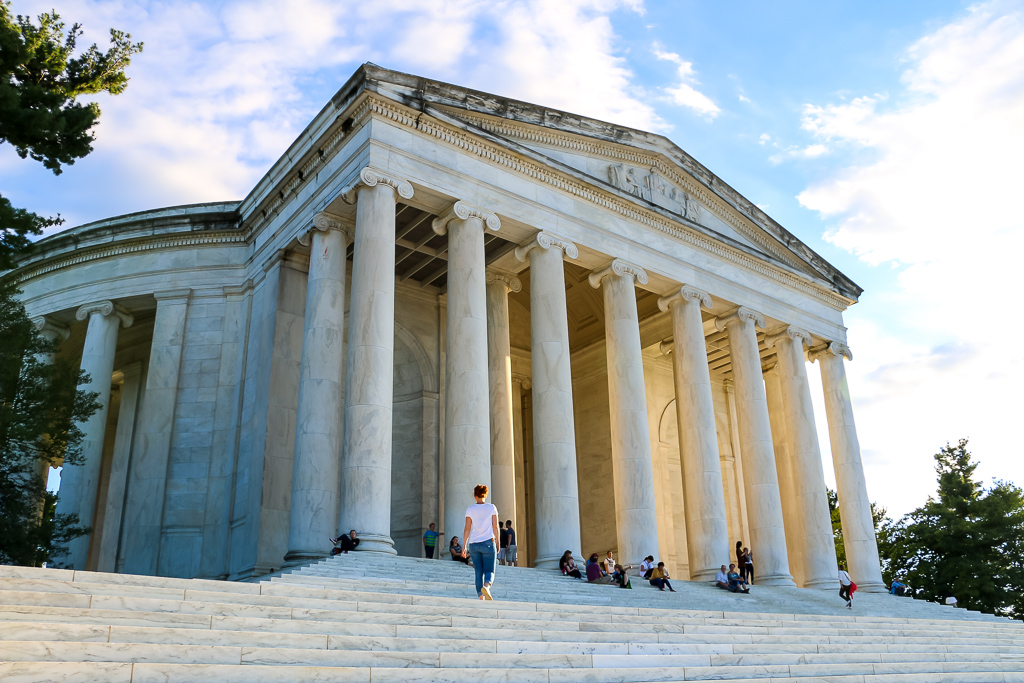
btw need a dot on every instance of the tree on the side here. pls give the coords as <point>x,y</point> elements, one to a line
<point>966,542</point>
<point>41,78</point>
<point>40,410</point>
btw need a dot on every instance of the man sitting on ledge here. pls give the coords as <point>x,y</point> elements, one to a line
<point>343,544</point>
<point>722,580</point>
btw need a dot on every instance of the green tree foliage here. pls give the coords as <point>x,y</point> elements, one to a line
<point>41,77</point>
<point>967,542</point>
<point>40,408</point>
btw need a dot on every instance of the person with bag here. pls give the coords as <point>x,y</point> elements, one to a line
<point>846,586</point>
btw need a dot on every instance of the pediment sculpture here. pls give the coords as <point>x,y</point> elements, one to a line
<point>650,185</point>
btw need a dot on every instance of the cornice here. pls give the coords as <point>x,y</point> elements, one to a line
<point>132,246</point>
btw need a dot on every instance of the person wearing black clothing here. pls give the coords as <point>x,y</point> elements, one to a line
<point>568,566</point>
<point>345,543</point>
<point>511,552</point>
<point>502,543</point>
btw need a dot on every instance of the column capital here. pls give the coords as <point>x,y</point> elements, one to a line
<point>546,240</point>
<point>181,295</point>
<point>741,314</point>
<point>51,328</point>
<point>522,380</point>
<point>832,348</point>
<point>463,211</point>
<point>512,283</point>
<point>369,177</point>
<point>791,332</point>
<point>105,308</point>
<point>324,221</point>
<point>618,268</point>
<point>685,293</point>
<point>666,347</point>
<point>772,369</point>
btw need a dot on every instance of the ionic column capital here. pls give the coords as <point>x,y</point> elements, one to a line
<point>685,293</point>
<point>546,240</point>
<point>618,268</point>
<point>830,348</point>
<point>511,282</point>
<point>51,329</point>
<point>369,177</point>
<point>772,369</point>
<point>522,380</point>
<point>105,308</point>
<point>462,211</point>
<point>324,222</point>
<point>791,332</point>
<point>741,314</point>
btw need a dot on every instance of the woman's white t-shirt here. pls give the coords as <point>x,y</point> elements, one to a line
<point>482,529</point>
<point>844,578</point>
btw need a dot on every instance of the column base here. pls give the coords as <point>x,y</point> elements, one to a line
<point>871,588</point>
<point>823,584</point>
<point>376,543</point>
<point>547,562</point>
<point>784,580</point>
<point>296,557</point>
<point>705,575</point>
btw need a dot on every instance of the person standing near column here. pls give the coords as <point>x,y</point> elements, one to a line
<point>430,541</point>
<point>480,532</point>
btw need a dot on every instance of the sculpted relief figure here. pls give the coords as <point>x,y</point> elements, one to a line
<point>652,186</point>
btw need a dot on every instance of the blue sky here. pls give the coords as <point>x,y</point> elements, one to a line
<point>883,134</point>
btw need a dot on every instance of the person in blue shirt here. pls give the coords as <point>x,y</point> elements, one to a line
<point>430,541</point>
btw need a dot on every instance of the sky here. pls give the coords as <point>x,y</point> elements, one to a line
<point>885,135</point>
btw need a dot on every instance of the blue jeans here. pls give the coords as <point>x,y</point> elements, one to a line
<point>482,555</point>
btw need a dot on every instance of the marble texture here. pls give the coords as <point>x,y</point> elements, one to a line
<point>636,523</point>
<point>499,367</point>
<point>148,474</point>
<point>556,507</point>
<point>707,534</point>
<point>369,391</point>
<point>467,415</point>
<point>854,503</point>
<point>317,460</point>
<point>813,526</point>
<point>79,483</point>
<point>760,478</point>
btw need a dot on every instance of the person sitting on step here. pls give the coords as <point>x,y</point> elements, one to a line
<point>620,578</point>
<point>455,550</point>
<point>660,577</point>
<point>344,543</point>
<point>647,566</point>
<point>736,582</point>
<point>722,579</point>
<point>609,563</point>
<point>567,565</point>
<point>595,574</point>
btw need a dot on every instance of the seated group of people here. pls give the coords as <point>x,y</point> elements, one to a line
<point>608,571</point>
<point>731,580</point>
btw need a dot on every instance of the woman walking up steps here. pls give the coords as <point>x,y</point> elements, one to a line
<point>481,530</point>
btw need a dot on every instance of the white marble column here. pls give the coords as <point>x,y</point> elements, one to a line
<point>854,504</point>
<point>556,508</point>
<point>810,499</point>
<point>106,560</point>
<point>780,441</point>
<point>760,479</point>
<point>499,365</point>
<point>316,466</point>
<point>147,475</point>
<point>78,483</point>
<point>467,408</point>
<point>369,392</point>
<point>636,521</point>
<point>707,532</point>
<point>524,507</point>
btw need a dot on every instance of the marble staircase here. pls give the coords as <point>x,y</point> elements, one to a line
<point>371,618</point>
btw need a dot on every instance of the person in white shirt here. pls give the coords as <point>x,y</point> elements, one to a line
<point>722,578</point>
<point>647,566</point>
<point>845,583</point>
<point>481,531</point>
<point>609,564</point>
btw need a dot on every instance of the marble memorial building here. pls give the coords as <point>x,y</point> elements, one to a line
<point>436,287</point>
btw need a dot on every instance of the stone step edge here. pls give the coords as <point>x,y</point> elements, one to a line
<point>339,596</point>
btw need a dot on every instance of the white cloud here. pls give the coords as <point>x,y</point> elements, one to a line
<point>941,199</point>
<point>684,93</point>
<point>223,88</point>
